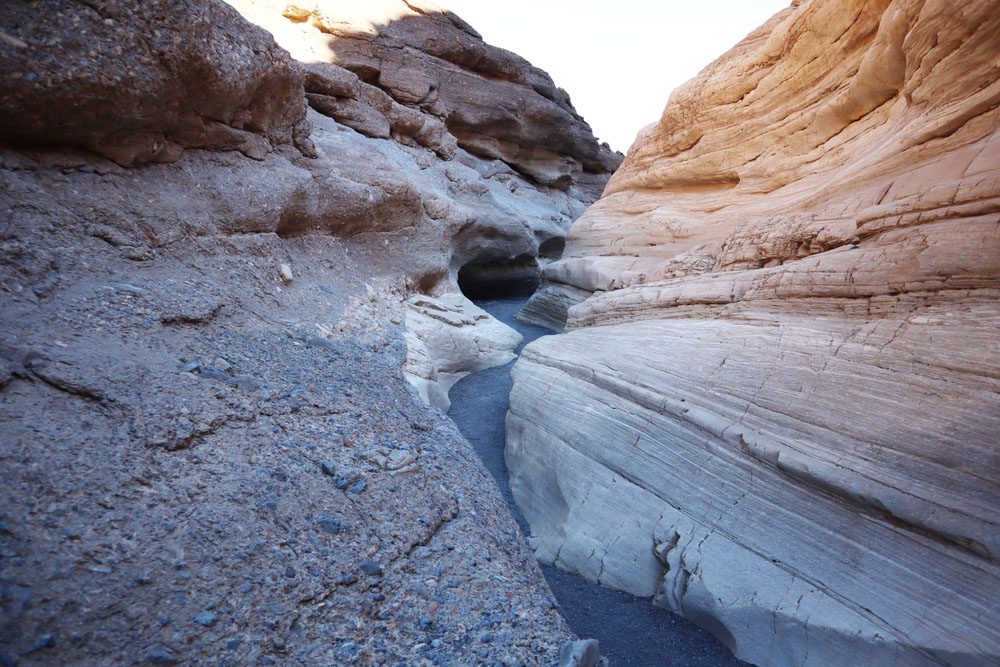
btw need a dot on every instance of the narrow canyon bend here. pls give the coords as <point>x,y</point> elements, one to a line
<point>238,246</point>
<point>630,630</point>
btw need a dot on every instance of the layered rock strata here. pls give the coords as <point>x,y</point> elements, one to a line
<point>415,71</point>
<point>777,406</point>
<point>209,450</point>
<point>419,75</point>
<point>448,338</point>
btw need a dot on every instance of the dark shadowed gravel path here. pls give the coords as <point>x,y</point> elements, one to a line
<point>631,631</point>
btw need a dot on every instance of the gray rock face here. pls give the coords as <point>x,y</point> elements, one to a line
<point>140,82</point>
<point>210,452</point>
<point>173,404</point>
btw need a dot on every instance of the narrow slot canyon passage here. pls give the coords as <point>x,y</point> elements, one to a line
<point>258,297</point>
<point>631,631</point>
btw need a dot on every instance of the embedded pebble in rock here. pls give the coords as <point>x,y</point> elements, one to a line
<point>47,641</point>
<point>582,653</point>
<point>160,656</point>
<point>399,459</point>
<point>208,619</point>
<point>370,568</point>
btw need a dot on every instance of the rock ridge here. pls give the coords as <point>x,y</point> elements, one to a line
<point>416,71</point>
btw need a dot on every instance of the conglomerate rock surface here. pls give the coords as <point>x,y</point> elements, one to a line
<point>140,82</point>
<point>208,449</point>
<point>777,406</point>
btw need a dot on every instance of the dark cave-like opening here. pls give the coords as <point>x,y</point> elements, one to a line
<point>552,248</point>
<point>496,278</point>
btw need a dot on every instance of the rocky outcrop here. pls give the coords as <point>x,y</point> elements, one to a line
<point>421,73</point>
<point>777,407</point>
<point>210,451</point>
<point>448,338</point>
<point>418,75</point>
<point>136,82</point>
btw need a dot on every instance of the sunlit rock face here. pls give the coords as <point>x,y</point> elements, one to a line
<point>777,406</point>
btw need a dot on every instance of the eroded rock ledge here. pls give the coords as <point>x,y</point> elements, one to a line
<point>777,406</point>
<point>448,338</point>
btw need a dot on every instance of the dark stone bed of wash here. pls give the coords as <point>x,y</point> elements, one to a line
<point>631,631</point>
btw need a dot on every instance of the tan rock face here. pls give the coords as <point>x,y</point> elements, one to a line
<point>778,406</point>
<point>769,147</point>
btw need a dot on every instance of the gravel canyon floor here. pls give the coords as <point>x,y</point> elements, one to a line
<point>235,243</point>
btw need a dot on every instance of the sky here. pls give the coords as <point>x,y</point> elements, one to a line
<point>618,59</point>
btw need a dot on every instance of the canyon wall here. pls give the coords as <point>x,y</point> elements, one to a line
<point>419,75</point>
<point>211,252</point>
<point>776,406</point>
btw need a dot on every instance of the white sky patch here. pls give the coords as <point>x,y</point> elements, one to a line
<point>618,59</point>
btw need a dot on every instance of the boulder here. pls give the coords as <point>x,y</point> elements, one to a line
<point>140,82</point>
<point>446,339</point>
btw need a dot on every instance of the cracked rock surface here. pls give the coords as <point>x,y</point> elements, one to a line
<point>249,490</point>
